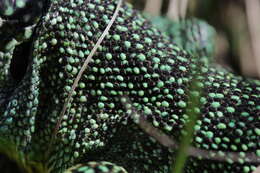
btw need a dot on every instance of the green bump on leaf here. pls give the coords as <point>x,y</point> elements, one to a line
<point>54,41</point>
<point>109,56</point>
<point>156,60</point>
<point>139,46</point>
<point>257,131</point>
<point>221,126</point>
<point>165,104</point>
<point>9,11</point>
<point>116,37</point>
<point>20,3</point>
<point>209,134</point>
<point>245,114</point>
<point>160,84</point>
<point>246,169</point>
<point>82,85</point>
<point>127,44</point>
<point>182,104</point>
<point>215,104</point>
<point>120,78</point>
<point>101,105</point>
<point>141,57</point>
<point>147,111</point>
<point>198,139</point>
<point>230,109</point>
<point>109,84</point>
<point>180,91</point>
<point>258,153</point>
<point>83,99</point>
<point>103,169</point>
<point>136,70</point>
<point>182,68</point>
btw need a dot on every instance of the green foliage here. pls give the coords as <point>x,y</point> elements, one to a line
<point>14,160</point>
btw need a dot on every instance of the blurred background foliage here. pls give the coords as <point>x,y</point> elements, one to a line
<point>237,23</point>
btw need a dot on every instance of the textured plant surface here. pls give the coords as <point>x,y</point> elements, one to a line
<point>40,58</point>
